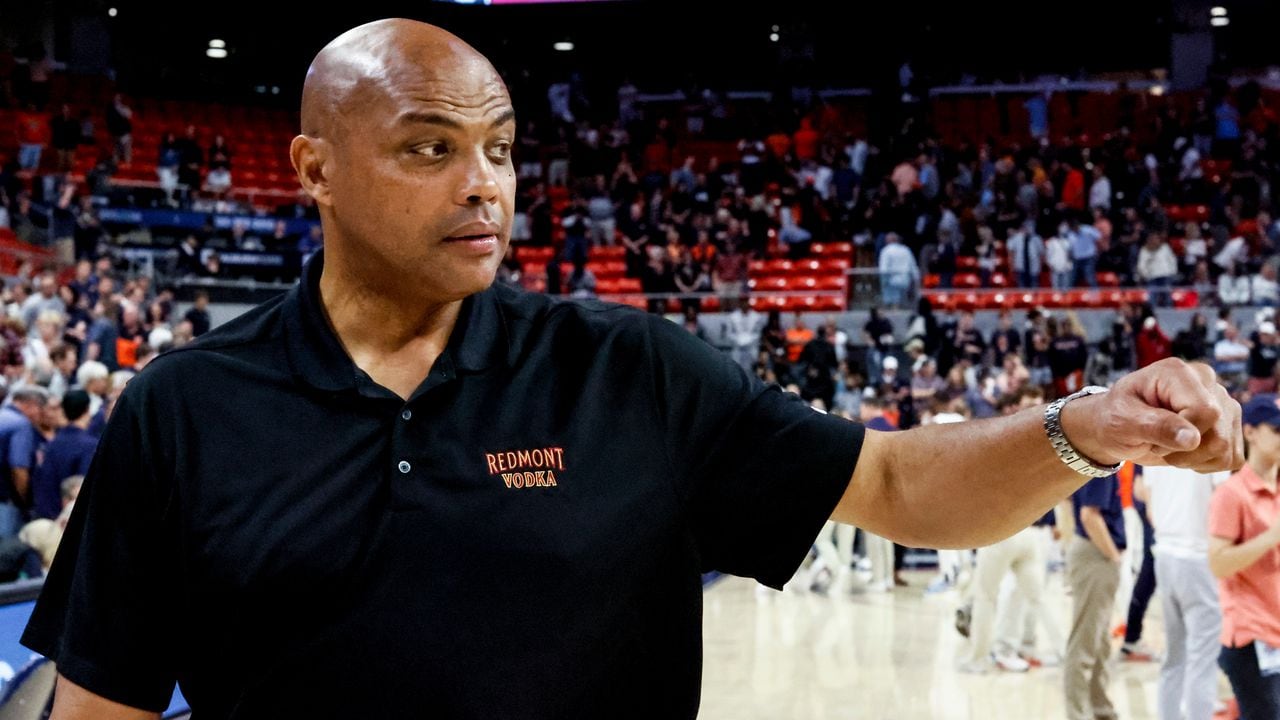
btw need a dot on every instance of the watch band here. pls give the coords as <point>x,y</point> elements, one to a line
<point>1066,452</point>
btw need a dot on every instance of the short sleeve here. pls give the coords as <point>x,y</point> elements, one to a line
<point>22,448</point>
<point>104,616</point>
<point>760,471</point>
<point>1226,520</point>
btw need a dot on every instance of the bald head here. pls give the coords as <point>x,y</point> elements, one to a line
<point>364,66</point>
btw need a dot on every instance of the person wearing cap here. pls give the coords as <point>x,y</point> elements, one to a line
<point>69,453</point>
<point>1244,554</point>
<point>402,490</point>
<point>1152,345</point>
<point>1264,351</point>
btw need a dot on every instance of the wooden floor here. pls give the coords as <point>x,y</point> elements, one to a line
<point>804,656</point>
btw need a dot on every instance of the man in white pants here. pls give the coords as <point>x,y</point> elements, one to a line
<point>1018,620</point>
<point>1179,510</point>
<point>879,550</point>
<point>1020,555</point>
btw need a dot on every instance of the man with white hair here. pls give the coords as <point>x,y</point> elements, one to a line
<point>45,299</point>
<point>94,378</point>
<point>19,439</point>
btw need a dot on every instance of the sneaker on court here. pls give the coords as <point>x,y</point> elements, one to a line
<point>975,668</point>
<point>1037,659</point>
<point>1137,652</point>
<point>1010,663</point>
<point>878,587</point>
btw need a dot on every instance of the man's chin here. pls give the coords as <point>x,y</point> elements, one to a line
<point>469,281</point>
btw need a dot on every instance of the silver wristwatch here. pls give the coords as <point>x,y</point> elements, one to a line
<point>1068,454</point>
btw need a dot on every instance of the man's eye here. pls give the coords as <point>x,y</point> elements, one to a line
<point>502,150</point>
<point>432,150</point>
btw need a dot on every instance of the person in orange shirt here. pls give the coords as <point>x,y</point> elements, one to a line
<point>1244,554</point>
<point>798,335</point>
<point>34,133</point>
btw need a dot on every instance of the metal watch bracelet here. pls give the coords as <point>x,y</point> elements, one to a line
<point>1066,452</point>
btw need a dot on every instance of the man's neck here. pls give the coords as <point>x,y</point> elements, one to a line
<point>390,333</point>
<point>1266,470</point>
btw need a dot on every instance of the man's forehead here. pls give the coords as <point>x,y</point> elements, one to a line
<point>411,95</point>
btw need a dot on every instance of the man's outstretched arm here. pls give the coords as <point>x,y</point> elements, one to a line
<point>971,484</point>
<point>72,702</point>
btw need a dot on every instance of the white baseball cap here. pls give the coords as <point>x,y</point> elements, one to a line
<point>890,363</point>
<point>1267,328</point>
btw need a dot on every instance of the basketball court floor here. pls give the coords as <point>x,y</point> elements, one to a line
<point>803,656</point>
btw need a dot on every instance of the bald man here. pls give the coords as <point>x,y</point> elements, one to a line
<point>402,491</point>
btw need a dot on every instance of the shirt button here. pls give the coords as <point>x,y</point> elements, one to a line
<point>404,466</point>
<point>406,414</point>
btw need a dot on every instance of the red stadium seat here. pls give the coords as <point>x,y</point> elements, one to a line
<point>967,280</point>
<point>773,282</point>
<point>967,262</point>
<point>535,253</point>
<point>1135,297</point>
<point>1186,299</point>
<point>616,252</point>
<point>941,301</point>
<point>1108,279</point>
<point>835,249</point>
<point>830,282</point>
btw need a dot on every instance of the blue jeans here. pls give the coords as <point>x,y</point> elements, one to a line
<point>1062,280</point>
<point>1145,585</point>
<point>1085,272</point>
<point>1028,279</point>
<point>1258,696</point>
<point>1158,288</point>
<point>575,247</point>
<point>29,156</point>
<point>893,295</point>
<point>10,520</point>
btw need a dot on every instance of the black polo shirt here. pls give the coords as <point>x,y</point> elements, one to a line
<point>523,538</point>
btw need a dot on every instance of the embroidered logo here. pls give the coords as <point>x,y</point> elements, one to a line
<point>527,468</point>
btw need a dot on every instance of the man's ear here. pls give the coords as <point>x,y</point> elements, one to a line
<point>310,158</point>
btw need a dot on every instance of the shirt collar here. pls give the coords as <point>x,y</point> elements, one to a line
<point>480,338</point>
<point>1253,481</point>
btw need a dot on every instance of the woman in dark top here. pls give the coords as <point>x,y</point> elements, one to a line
<point>773,340</point>
<point>1193,342</point>
<point>1068,355</point>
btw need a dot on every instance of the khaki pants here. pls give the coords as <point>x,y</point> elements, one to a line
<point>1093,580</point>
